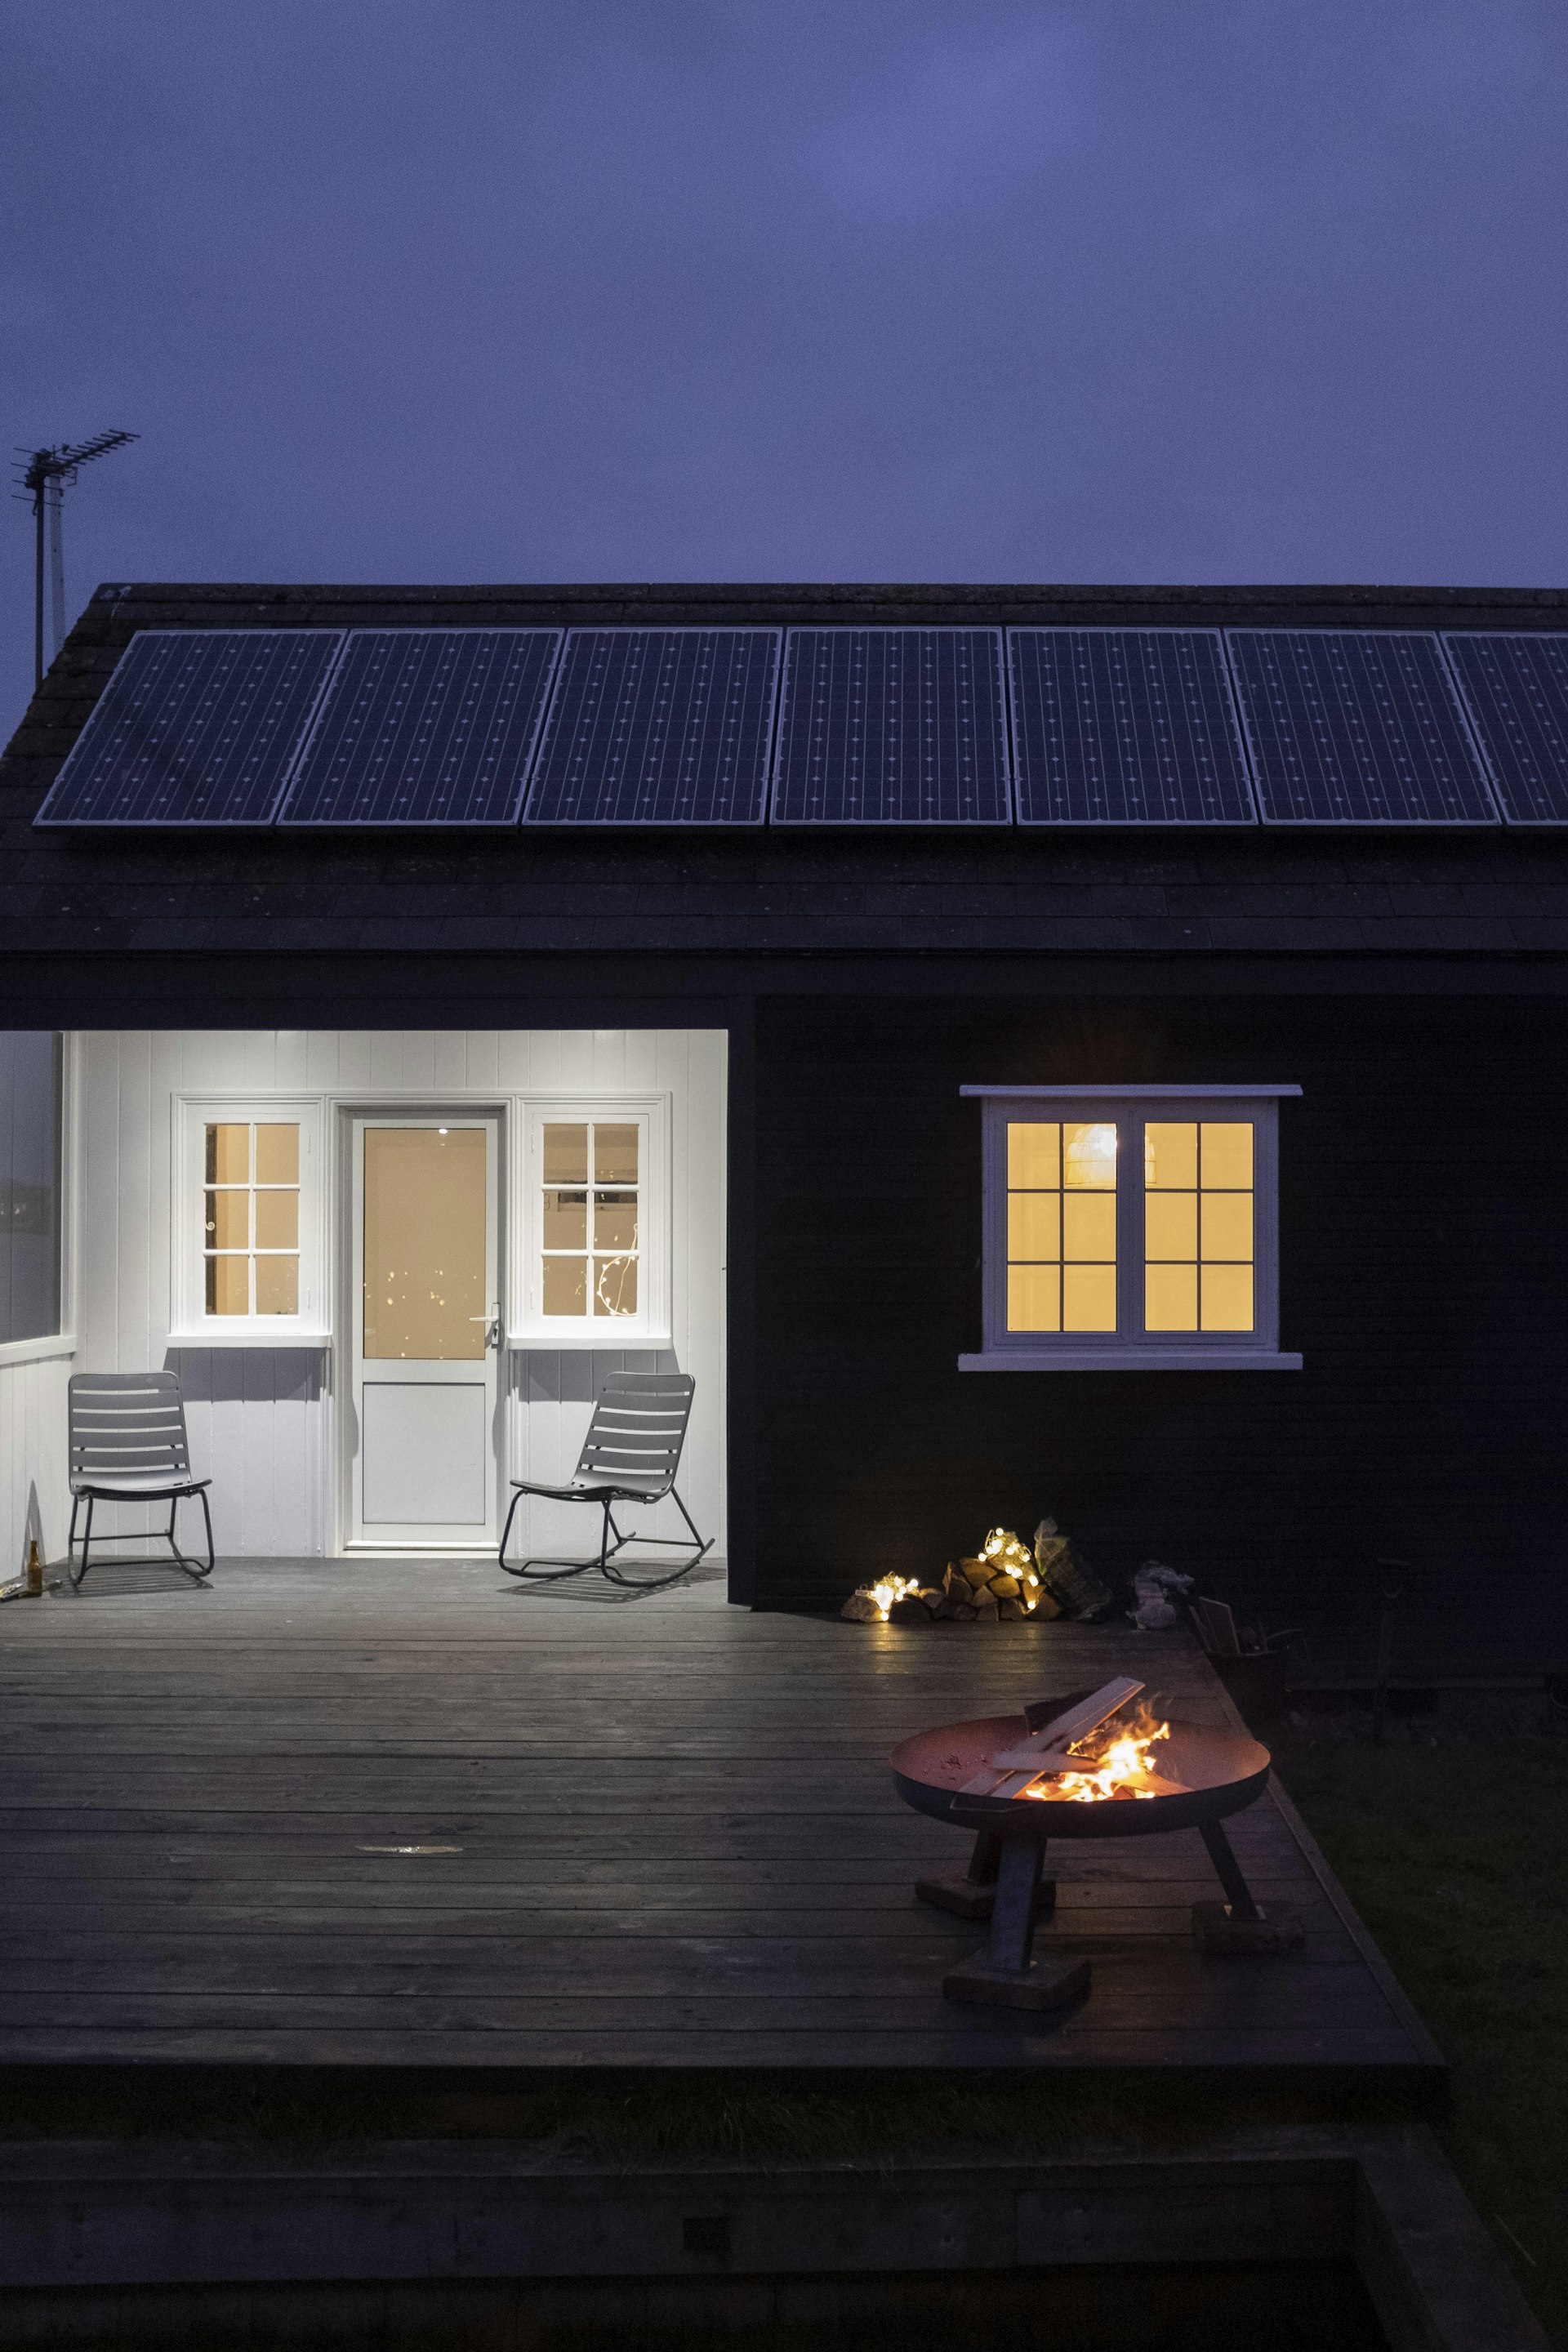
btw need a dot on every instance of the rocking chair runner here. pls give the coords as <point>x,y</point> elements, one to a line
<point>630,1454</point>
<point>128,1445</point>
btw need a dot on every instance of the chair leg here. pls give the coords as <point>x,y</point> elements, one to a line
<point>540,1569</point>
<point>192,1566</point>
<point>198,1568</point>
<point>652,1583</point>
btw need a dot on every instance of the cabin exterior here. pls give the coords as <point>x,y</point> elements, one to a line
<point>843,1092</point>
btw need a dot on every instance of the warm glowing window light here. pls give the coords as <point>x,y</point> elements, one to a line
<point>1198,1244</point>
<point>251,1225</point>
<point>1061,1226</point>
<point>591,1225</point>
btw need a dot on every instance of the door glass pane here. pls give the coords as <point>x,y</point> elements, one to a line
<point>424,1243</point>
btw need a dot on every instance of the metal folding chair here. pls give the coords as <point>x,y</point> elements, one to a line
<point>128,1445</point>
<point>630,1454</point>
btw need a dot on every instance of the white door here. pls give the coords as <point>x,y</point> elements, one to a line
<point>426,1333</point>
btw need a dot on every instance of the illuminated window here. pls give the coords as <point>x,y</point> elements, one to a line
<point>1136,1226</point>
<point>251,1237</point>
<point>589,1224</point>
<point>594,1261</point>
<point>248,1220</point>
<point>1199,1228</point>
<point>1061,1226</point>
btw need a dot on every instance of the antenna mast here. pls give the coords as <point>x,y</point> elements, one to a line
<point>43,477</point>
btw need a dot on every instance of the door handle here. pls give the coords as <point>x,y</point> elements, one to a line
<point>492,1326</point>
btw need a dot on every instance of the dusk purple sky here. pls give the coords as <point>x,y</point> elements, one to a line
<point>961,289</point>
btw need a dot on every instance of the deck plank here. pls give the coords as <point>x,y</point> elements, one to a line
<point>677,1840</point>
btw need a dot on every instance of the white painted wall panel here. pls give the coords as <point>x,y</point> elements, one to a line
<point>260,1418</point>
<point>35,1493</point>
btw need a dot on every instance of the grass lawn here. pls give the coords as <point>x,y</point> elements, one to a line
<point>1452,1842</point>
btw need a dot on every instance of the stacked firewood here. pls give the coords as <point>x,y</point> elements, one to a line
<point>1002,1582</point>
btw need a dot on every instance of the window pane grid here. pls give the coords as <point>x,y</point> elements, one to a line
<point>251,1220</point>
<point>1061,1226</point>
<point>1199,1226</point>
<point>591,1219</point>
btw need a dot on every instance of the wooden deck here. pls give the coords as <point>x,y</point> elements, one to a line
<point>664,1835</point>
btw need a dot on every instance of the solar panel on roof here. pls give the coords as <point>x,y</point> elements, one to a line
<point>658,727</point>
<point>1516,691</point>
<point>1356,727</point>
<point>426,727</point>
<point>195,727</point>
<point>892,727</point>
<point>1125,727</point>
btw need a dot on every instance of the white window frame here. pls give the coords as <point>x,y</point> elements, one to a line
<point>190,1325</point>
<point>1129,1347</point>
<point>527,1325</point>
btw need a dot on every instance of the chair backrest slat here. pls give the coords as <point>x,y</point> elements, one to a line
<point>638,1429</point>
<point>127,1425</point>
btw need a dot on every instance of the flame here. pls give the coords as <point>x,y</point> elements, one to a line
<point>1115,1762</point>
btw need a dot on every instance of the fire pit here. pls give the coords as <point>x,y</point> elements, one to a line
<point>1069,1769</point>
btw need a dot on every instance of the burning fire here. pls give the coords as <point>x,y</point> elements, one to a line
<point>1115,1762</point>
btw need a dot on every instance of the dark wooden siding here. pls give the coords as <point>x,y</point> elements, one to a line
<point>1425,1278</point>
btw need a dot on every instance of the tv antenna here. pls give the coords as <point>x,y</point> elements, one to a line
<point>43,475</point>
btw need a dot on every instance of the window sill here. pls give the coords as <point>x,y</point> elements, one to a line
<point>1131,1359</point>
<point>544,1343</point>
<point>38,1351</point>
<point>249,1338</point>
